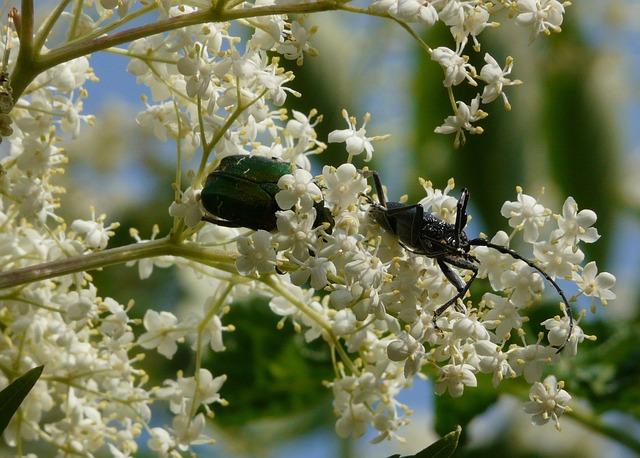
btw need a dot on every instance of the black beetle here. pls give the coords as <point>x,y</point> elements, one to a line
<point>425,234</point>
<point>241,191</point>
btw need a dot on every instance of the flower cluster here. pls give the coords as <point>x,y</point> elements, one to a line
<point>342,280</point>
<point>466,21</point>
<point>378,300</point>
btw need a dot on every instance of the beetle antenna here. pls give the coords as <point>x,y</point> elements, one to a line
<point>515,255</point>
<point>378,184</point>
<point>461,215</point>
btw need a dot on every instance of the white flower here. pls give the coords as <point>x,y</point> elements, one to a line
<point>525,283</point>
<point>297,188</point>
<point>408,10</point>
<point>576,225</point>
<point>495,79</point>
<point>494,264</point>
<point>160,441</point>
<point>475,21</point>
<point>212,334</point>
<point>303,128</point>
<point>95,234</point>
<point>548,401</point>
<point>456,67</point>
<point>503,316</point>
<point>596,284</point>
<point>187,207</point>
<point>188,431</point>
<point>344,186</point>
<point>256,254</point>
<point>557,259</point>
<point>344,322</point>
<point>526,214</point>
<point>467,327</point>
<point>365,268</point>
<point>530,360</point>
<point>356,140</point>
<point>353,421</point>
<point>461,121</point>
<point>452,14</point>
<point>454,377</point>
<point>195,66</point>
<point>491,359</point>
<point>439,202</point>
<point>208,388</point>
<point>409,350</point>
<point>559,330</point>
<point>274,82</point>
<point>115,323</point>
<point>281,306</point>
<point>161,332</point>
<point>35,157</point>
<point>543,16</point>
<point>315,267</point>
<point>79,304</point>
<point>298,43</point>
<point>295,232</point>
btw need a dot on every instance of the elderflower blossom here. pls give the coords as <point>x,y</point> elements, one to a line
<point>96,235</point>
<point>462,121</point>
<point>548,401</point>
<point>542,16</point>
<point>162,332</point>
<point>356,140</point>
<point>526,214</point>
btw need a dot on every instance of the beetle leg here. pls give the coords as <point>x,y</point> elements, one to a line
<point>455,280</point>
<point>461,215</point>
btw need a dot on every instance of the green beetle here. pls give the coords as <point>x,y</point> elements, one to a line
<point>241,193</point>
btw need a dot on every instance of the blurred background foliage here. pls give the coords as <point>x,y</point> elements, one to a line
<point>568,134</point>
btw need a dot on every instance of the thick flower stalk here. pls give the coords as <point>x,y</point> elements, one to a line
<point>371,301</point>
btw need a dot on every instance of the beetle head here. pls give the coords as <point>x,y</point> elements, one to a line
<point>379,214</point>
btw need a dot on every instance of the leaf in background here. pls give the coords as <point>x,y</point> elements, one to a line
<point>442,448</point>
<point>451,413</point>
<point>13,395</point>
<point>607,372</point>
<point>579,129</point>
<point>274,383</point>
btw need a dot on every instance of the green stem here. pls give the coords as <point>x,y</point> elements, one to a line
<point>26,29</point>
<point>73,50</point>
<point>594,423</point>
<point>84,262</point>
<point>96,260</point>
<point>115,24</point>
<point>47,26</point>
<point>77,13</point>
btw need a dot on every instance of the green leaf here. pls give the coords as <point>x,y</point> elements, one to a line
<point>13,395</point>
<point>272,374</point>
<point>580,132</point>
<point>442,448</point>
<point>451,412</point>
